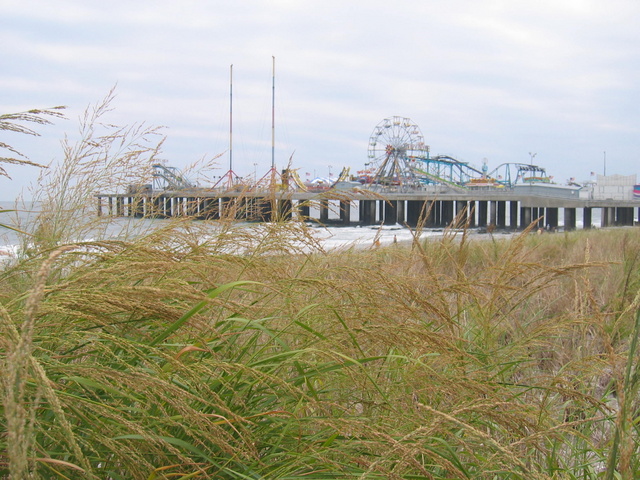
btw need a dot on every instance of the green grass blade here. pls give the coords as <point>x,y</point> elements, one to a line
<point>200,306</point>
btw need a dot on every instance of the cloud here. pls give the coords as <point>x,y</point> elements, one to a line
<point>492,79</point>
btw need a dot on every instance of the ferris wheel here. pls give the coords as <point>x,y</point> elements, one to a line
<point>394,147</point>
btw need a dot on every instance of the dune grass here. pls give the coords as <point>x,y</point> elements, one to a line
<point>447,359</point>
<point>164,355</point>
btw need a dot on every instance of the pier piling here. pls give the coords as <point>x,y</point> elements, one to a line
<point>477,209</point>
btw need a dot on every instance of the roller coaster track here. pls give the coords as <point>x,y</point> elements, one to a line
<point>172,177</point>
<point>506,175</point>
<point>343,177</point>
<point>440,180</point>
<point>297,181</point>
<point>459,172</point>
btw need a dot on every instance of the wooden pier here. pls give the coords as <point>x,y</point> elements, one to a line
<point>437,208</point>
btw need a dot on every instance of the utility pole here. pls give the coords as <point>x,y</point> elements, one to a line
<point>273,114</point>
<point>231,118</point>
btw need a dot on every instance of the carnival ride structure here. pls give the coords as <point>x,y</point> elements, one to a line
<point>398,160</point>
<point>170,178</point>
<point>399,157</point>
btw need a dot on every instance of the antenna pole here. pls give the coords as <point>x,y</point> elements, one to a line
<point>273,114</point>
<point>231,118</point>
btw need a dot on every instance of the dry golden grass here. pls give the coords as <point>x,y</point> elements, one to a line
<point>477,359</point>
<point>252,353</point>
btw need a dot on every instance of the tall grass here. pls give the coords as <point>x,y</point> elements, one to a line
<point>99,157</point>
<point>167,355</point>
<point>19,123</point>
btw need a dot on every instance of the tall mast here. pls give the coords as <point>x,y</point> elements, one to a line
<point>273,114</point>
<point>231,118</point>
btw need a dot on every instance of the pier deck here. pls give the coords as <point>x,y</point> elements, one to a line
<point>435,207</point>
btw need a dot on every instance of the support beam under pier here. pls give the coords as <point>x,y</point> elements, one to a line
<point>401,211</point>
<point>551,218</point>
<point>586,217</point>
<point>483,209</point>
<point>513,214</point>
<point>501,217</point>
<point>537,215</point>
<point>569,219</point>
<point>264,209</point>
<point>367,212</point>
<point>471,205</point>
<point>462,212</point>
<point>345,212</point>
<point>493,214</point>
<point>390,212</point>
<point>324,211</point>
<point>525,217</point>
<point>285,209</point>
<point>428,214</point>
<point>210,209</point>
<point>447,213</point>
<point>607,217</point>
<point>415,210</point>
<point>624,216</point>
<point>304,210</point>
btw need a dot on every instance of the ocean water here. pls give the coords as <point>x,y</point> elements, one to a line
<point>331,237</point>
<point>13,216</point>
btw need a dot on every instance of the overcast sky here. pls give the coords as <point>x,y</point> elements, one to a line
<point>494,79</point>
